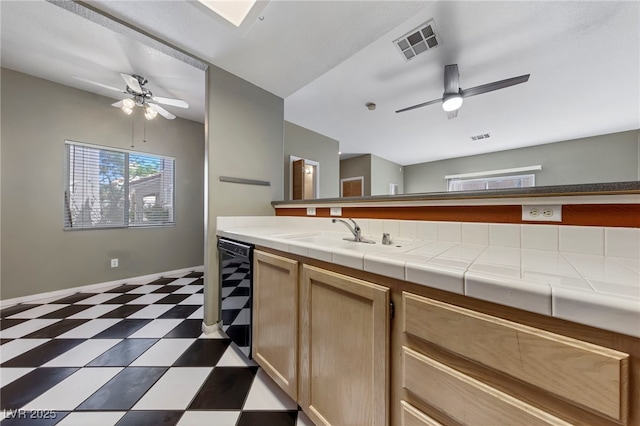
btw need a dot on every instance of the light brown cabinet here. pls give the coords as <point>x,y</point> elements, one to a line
<point>275,319</point>
<point>344,349</point>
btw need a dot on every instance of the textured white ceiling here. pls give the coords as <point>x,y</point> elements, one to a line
<point>327,59</point>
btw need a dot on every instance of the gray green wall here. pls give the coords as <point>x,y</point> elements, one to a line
<point>356,167</point>
<point>244,139</point>
<point>37,254</point>
<point>384,172</point>
<point>607,158</point>
<point>307,144</point>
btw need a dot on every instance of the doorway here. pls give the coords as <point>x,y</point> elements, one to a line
<point>304,178</point>
<point>352,187</point>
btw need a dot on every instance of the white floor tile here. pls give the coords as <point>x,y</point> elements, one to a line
<point>17,347</point>
<point>145,289</point>
<point>157,328</point>
<point>217,418</point>
<point>94,312</point>
<point>226,291</point>
<point>184,281</point>
<point>163,395</point>
<point>234,358</point>
<point>235,302</point>
<point>151,311</point>
<point>303,420</point>
<point>25,328</point>
<point>243,318</point>
<point>197,314</point>
<point>147,299</point>
<point>8,375</point>
<point>194,299</point>
<point>38,311</point>
<point>188,289</point>
<point>82,354</point>
<point>97,299</point>
<point>89,328</point>
<point>266,395</point>
<point>96,418</point>
<point>70,392</point>
<point>164,352</point>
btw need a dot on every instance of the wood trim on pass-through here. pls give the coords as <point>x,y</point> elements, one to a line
<point>613,215</point>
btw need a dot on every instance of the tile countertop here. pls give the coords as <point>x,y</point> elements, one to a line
<point>591,289</point>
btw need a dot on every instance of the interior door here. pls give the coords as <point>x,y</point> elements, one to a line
<point>352,188</point>
<point>297,180</point>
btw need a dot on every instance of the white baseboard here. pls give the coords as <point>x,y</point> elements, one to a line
<point>69,291</point>
<point>208,329</point>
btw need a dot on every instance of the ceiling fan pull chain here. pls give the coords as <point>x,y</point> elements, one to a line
<point>144,131</point>
<point>132,132</point>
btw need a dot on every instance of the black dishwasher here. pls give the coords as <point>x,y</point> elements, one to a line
<point>236,291</point>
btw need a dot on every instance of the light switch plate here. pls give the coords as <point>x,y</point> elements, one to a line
<point>311,211</point>
<point>542,213</point>
<point>336,211</point>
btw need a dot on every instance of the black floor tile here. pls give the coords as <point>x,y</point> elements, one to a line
<point>186,329</point>
<point>229,315</point>
<point>75,298</point>
<point>125,298</point>
<point>7,323</point>
<point>151,418</point>
<point>123,311</point>
<point>163,281</point>
<point>194,275</point>
<point>167,289</point>
<point>3,341</point>
<point>12,310</point>
<point>28,387</point>
<point>56,329</point>
<point>25,418</point>
<point>241,291</point>
<point>123,288</point>
<point>241,334</point>
<point>42,354</point>
<point>122,329</point>
<point>271,418</point>
<point>172,299</point>
<point>203,353</point>
<point>65,312</point>
<point>124,390</point>
<point>198,282</point>
<point>180,311</point>
<point>123,354</point>
<point>199,291</point>
<point>226,388</point>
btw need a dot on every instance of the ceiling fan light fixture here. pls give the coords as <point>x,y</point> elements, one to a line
<point>149,113</point>
<point>127,110</point>
<point>129,103</point>
<point>451,102</point>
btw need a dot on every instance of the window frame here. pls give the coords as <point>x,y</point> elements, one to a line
<point>126,204</point>
<point>487,179</point>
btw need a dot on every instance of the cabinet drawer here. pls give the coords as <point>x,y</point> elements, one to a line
<point>588,375</point>
<point>411,416</point>
<point>465,399</point>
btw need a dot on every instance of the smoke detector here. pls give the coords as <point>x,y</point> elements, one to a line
<point>418,40</point>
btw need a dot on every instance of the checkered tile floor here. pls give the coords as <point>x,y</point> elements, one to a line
<point>131,355</point>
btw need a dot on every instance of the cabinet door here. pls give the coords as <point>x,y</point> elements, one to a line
<point>344,351</point>
<point>275,319</point>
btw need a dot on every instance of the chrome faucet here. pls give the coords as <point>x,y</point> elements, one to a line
<point>355,230</point>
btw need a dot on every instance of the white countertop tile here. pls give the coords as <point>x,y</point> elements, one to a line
<point>520,294</point>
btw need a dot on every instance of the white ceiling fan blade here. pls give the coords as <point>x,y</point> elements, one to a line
<point>117,104</point>
<point>163,112</point>
<point>95,83</point>
<point>435,101</point>
<point>132,82</point>
<point>168,101</point>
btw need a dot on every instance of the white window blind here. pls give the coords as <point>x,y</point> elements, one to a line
<point>115,188</point>
<point>519,181</point>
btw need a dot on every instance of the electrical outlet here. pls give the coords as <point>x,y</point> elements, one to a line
<point>550,213</point>
<point>336,211</point>
<point>311,211</point>
<point>114,263</point>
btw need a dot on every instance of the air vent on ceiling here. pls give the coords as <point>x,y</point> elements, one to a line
<point>418,40</point>
<point>482,136</point>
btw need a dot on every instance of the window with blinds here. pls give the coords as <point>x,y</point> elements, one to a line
<point>110,188</point>
<point>499,182</point>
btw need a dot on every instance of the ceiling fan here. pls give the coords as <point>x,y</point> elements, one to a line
<point>453,95</point>
<point>140,96</point>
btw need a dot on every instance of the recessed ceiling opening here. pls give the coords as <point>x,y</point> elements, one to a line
<point>233,11</point>
<point>418,40</point>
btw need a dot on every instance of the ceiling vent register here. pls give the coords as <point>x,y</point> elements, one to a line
<point>418,40</point>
